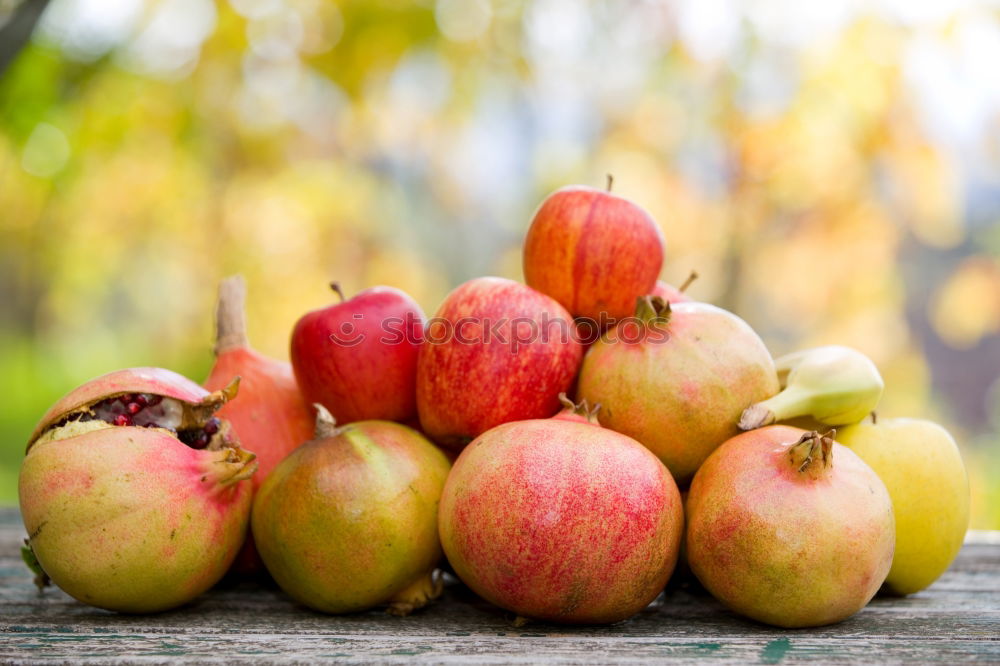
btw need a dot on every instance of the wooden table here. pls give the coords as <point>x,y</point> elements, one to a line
<point>957,619</point>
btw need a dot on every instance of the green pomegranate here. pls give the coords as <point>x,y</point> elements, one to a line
<point>348,521</point>
<point>676,377</point>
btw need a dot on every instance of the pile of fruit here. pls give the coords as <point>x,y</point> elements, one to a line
<point>392,440</point>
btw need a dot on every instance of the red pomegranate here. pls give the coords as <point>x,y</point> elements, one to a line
<point>561,520</point>
<point>271,418</point>
<point>789,527</point>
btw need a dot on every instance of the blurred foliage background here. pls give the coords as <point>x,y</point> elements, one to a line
<point>832,170</point>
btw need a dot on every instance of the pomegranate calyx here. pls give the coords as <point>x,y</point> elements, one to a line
<point>812,454</point>
<point>651,310</point>
<point>417,594</point>
<point>231,465</point>
<point>230,315</point>
<point>581,410</point>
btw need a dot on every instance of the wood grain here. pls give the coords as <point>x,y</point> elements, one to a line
<point>956,620</point>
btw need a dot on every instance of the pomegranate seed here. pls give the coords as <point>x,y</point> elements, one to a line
<point>212,426</point>
<point>200,442</point>
<point>123,420</point>
<point>141,399</point>
<point>152,400</point>
<point>133,408</point>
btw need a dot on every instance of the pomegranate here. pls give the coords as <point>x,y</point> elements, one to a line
<point>781,534</point>
<point>678,379</point>
<point>358,358</point>
<point>561,520</point>
<point>271,418</point>
<point>348,521</point>
<point>133,493</point>
<point>592,251</point>
<point>497,351</point>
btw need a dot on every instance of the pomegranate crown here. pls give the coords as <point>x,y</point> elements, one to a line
<point>580,411</point>
<point>651,309</point>
<point>812,454</point>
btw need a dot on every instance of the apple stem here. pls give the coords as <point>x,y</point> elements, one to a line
<point>611,180</point>
<point>687,283</point>
<point>874,418</point>
<point>230,316</point>
<point>340,292</point>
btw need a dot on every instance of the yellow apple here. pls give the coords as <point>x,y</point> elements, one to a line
<point>920,464</point>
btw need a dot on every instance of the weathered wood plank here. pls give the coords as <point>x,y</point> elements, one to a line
<point>956,620</point>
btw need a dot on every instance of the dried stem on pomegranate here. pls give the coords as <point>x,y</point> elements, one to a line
<point>652,310</point>
<point>326,424</point>
<point>582,408</point>
<point>418,594</point>
<point>813,453</point>
<point>230,315</point>
<point>240,466</point>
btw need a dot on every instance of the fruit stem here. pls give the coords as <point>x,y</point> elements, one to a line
<point>813,453</point>
<point>611,181</point>
<point>789,403</point>
<point>326,424</point>
<point>874,418</point>
<point>652,310</point>
<point>417,594</point>
<point>582,409</point>
<point>242,463</point>
<point>230,315</point>
<point>687,283</point>
<point>340,292</point>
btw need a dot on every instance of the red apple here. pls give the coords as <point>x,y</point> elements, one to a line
<point>592,251</point>
<point>358,358</point>
<point>672,294</point>
<point>495,351</point>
